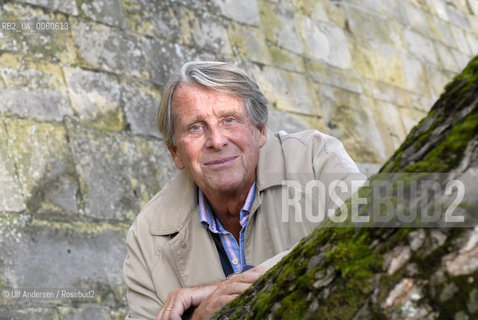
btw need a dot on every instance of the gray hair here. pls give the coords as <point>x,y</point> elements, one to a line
<point>219,76</point>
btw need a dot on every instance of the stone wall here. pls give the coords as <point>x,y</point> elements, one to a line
<point>79,152</point>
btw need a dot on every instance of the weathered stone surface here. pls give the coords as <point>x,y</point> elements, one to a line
<point>86,311</point>
<point>205,31</point>
<point>140,104</point>
<point>164,58</point>
<point>12,196</point>
<point>95,97</point>
<point>39,313</point>
<point>369,25</point>
<point>36,42</point>
<point>457,17</point>
<point>109,49</point>
<point>418,19</point>
<point>326,42</point>
<point>66,6</point>
<point>346,80</point>
<point>34,90</point>
<point>286,60</point>
<point>118,173</point>
<point>286,90</point>
<point>242,11</point>
<point>81,256</point>
<point>45,167</point>
<point>285,121</point>
<point>280,26</point>
<point>109,12</point>
<point>420,46</point>
<point>249,43</point>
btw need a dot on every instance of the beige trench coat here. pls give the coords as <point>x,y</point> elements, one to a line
<point>169,248</point>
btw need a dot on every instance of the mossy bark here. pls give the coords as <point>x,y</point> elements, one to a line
<point>388,273</point>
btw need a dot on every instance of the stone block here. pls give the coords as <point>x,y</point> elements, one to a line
<point>444,31</point>
<point>28,313</point>
<point>473,6</point>
<point>457,17</point>
<point>420,46</point>
<point>249,43</point>
<point>417,19</point>
<point>163,58</point>
<point>47,46</point>
<point>351,119</point>
<point>38,83</point>
<point>85,311</point>
<point>245,11</point>
<point>109,12</point>
<point>461,59</point>
<point>438,8</point>
<point>472,38</point>
<point>65,6</point>
<point>438,79</point>
<point>286,121</point>
<point>95,97</point>
<point>314,10</point>
<point>280,26</point>
<point>335,12</point>
<point>83,256</point>
<point>345,79</point>
<point>118,173</point>
<point>286,90</point>
<point>411,116</point>
<point>45,167</point>
<point>390,124</point>
<point>374,27</point>
<point>140,104</point>
<point>415,75</point>
<point>109,49</point>
<point>11,196</point>
<point>388,93</point>
<point>204,31</point>
<point>461,41</point>
<point>325,42</point>
<point>447,60</point>
<point>154,18</point>
<point>286,60</point>
<point>422,104</point>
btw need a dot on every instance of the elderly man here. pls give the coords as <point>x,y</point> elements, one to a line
<point>228,209</point>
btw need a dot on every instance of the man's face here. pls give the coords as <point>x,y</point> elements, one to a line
<point>216,141</point>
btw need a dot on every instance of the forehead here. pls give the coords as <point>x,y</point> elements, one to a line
<point>194,96</point>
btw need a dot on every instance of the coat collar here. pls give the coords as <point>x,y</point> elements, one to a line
<point>177,201</point>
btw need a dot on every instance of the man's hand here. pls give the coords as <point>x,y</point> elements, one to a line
<point>209,298</point>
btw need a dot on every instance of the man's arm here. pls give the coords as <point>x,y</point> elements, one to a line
<point>143,301</point>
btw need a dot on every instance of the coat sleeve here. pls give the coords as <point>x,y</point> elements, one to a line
<point>143,301</point>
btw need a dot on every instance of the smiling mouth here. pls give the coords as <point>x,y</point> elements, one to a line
<point>220,161</point>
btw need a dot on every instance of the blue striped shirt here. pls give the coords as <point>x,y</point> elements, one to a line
<point>234,250</point>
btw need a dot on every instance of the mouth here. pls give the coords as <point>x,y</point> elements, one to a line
<point>220,162</point>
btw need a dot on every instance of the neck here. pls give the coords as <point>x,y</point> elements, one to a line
<point>227,208</point>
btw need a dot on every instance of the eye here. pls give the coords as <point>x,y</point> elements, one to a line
<point>229,120</point>
<point>195,127</point>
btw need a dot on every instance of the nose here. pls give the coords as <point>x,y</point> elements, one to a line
<point>216,139</point>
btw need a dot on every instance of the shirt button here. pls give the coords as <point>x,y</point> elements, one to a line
<point>184,245</point>
<point>235,261</point>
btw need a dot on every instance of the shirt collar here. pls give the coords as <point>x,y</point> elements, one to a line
<point>209,220</point>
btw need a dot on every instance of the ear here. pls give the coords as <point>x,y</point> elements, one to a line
<point>262,135</point>
<point>174,154</point>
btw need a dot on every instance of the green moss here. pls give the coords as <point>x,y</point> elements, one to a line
<point>449,152</point>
